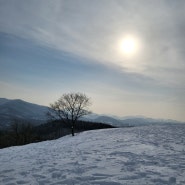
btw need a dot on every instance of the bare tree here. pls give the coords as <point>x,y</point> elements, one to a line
<point>69,108</point>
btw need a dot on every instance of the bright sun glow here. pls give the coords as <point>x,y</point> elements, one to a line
<point>129,45</point>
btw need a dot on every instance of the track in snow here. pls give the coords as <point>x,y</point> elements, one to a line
<point>150,155</point>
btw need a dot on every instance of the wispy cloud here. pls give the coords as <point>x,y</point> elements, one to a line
<point>91,30</point>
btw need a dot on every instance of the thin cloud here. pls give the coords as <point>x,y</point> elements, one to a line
<point>91,31</point>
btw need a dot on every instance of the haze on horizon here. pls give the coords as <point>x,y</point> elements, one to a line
<point>128,56</point>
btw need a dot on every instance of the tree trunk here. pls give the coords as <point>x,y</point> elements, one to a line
<point>72,127</point>
<point>72,130</point>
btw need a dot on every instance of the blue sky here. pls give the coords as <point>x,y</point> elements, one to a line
<point>52,47</point>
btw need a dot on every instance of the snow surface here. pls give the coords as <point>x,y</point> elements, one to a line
<point>148,155</point>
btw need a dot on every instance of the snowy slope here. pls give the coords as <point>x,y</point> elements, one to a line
<point>150,155</point>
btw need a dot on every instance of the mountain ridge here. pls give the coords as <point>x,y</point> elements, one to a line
<point>12,109</point>
<point>18,109</point>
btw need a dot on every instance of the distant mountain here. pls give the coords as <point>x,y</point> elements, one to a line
<point>3,100</point>
<point>36,114</point>
<point>109,120</point>
<point>129,120</point>
<point>11,110</point>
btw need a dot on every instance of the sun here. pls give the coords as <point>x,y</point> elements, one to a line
<point>129,51</point>
<point>129,45</point>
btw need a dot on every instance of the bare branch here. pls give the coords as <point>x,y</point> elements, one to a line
<point>71,106</point>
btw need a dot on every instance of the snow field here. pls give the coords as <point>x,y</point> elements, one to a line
<point>149,155</point>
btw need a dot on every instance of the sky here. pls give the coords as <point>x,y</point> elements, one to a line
<point>48,48</point>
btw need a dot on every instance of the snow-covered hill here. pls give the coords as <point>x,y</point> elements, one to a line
<point>149,155</point>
